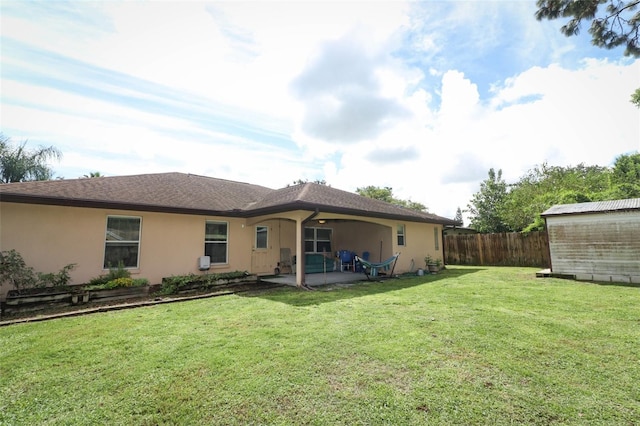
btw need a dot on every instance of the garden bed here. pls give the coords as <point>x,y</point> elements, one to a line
<point>34,299</point>
<point>38,300</point>
<point>41,299</point>
<point>186,286</point>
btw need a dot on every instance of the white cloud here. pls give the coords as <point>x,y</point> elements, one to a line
<point>577,116</point>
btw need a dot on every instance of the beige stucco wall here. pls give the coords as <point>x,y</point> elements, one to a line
<point>379,238</point>
<point>50,237</point>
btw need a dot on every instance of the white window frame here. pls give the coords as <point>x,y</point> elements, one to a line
<point>315,239</point>
<point>436,237</point>
<point>108,242</point>
<point>226,242</point>
<point>266,241</point>
<point>401,234</point>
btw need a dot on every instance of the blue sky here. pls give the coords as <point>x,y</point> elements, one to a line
<point>423,97</point>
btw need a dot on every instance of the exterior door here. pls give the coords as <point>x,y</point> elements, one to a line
<point>260,256</point>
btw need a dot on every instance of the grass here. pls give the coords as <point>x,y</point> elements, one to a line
<point>467,346</point>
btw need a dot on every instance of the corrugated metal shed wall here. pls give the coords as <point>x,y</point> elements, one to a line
<point>598,246</point>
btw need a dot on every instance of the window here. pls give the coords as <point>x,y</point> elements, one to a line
<point>317,240</point>
<point>262,240</point>
<point>216,241</point>
<point>122,242</point>
<point>400,231</point>
<point>436,237</point>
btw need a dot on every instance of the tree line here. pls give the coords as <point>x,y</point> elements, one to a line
<point>516,207</point>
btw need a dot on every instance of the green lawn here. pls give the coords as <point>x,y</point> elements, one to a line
<point>467,346</point>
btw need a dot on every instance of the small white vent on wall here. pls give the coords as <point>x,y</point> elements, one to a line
<point>204,263</point>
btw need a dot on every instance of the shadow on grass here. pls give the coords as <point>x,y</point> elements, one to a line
<point>333,292</point>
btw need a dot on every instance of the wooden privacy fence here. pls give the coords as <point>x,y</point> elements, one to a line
<point>501,249</point>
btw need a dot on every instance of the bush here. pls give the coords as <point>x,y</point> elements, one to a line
<point>173,284</point>
<point>15,271</point>
<point>119,283</point>
<point>113,274</point>
<point>59,279</point>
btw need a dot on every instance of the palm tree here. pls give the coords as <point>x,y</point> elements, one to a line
<point>18,164</point>
<point>93,175</point>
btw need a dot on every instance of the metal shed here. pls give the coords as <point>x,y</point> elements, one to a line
<point>597,241</point>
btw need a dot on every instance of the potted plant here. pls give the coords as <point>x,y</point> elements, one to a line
<point>433,265</point>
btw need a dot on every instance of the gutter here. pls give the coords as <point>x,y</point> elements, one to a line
<point>241,213</point>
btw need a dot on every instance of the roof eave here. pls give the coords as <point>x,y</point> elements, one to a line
<point>75,202</point>
<point>281,208</point>
<point>300,205</point>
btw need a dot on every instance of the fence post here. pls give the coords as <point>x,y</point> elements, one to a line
<point>480,251</point>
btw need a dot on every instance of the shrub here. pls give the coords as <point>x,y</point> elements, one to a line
<point>127,282</point>
<point>59,279</point>
<point>14,270</point>
<point>173,284</point>
<point>113,274</point>
<point>119,283</point>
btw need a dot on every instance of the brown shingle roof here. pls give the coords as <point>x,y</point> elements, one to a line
<point>331,200</point>
<point>177,192</point>
<point>186,193</point>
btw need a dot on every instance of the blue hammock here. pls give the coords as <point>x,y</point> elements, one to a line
<point>374,269</point>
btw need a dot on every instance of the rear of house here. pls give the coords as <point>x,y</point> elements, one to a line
<point>159,225</point>
<point>597,241</point>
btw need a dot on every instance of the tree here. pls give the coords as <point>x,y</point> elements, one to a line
<point>486,206</point>
<point>413,205</point>
<point>386,194</point>
<point>93,175</point>
<point>383,194</point>
<point>18,164</point>
<point>613,25</point>
<point>458,217</point>
<point>626,176</point>
<point>544,186</point>
<point>635,98</point>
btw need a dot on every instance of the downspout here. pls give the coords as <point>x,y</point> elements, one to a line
<point>442,246</point>
<point>301,282</point>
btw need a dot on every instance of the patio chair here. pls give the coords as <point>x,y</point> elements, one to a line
<point>346,260</point>
<point>285,260</point>
<point>365,256</point>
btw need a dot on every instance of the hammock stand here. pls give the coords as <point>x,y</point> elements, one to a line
<point>374,269</point>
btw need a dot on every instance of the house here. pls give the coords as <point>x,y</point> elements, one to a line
<point>597,241</point>
<point>161,225</point>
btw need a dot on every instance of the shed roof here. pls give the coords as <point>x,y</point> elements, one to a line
<point>187,193</point>
<point>594,207</point>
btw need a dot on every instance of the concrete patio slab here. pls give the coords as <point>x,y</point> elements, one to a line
<point>318,279</point>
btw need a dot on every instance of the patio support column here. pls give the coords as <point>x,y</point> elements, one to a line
<point>300,282</point>
<point>299,252</point>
